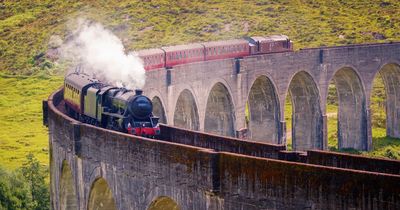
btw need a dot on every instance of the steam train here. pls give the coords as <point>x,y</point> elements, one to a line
<point>167,57</point>
<point>93,102</point>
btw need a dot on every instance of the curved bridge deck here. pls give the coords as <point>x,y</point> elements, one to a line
<point>95,168</point>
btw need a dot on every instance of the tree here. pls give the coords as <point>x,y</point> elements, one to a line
<point>15,193</point>
<point>35,174</point>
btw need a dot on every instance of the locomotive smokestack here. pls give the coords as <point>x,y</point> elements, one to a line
<point>138,91</point>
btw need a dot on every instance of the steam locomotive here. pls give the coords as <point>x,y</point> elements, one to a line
<point>91,101</point>
<point>167,57</point>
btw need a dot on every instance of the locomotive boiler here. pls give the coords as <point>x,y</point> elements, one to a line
<point>93,102</point>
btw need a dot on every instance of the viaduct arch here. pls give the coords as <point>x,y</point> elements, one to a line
<point>390,73</point>
<point>100,196</point>
<point>264,113</point>
<point>67,199</point>
<point>306,116</point>
<point>220,113</point>
<point>186,114</point>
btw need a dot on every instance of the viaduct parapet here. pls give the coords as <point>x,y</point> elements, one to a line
<point>211,96</point>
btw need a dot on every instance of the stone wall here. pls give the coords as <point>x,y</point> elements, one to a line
<point>256,183</point>
<point>357,162</point>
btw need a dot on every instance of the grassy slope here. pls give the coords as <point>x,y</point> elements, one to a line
<point>21,118</point>
<point>27,26</point>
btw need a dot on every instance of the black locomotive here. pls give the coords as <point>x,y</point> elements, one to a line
<point>91,101</point>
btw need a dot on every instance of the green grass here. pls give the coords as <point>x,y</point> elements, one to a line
<point>21,118</point>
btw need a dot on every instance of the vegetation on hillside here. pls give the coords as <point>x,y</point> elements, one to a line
<point>21,126</point>
<point>27,27</point>
<point>25,188</point>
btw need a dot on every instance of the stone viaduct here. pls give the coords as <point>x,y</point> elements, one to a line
<point>211,96</point>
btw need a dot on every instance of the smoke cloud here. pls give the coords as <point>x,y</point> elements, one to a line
<point>98,52</point>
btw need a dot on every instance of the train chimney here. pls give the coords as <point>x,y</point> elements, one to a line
<point>138,92</point>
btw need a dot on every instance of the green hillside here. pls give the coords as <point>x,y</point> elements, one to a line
<point>26,26</point>
<point>28,29</point>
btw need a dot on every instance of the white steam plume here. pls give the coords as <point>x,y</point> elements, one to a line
<point>98,52</point>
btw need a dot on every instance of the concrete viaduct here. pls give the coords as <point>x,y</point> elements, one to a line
<point>211,96</point>
<point>95,168</point>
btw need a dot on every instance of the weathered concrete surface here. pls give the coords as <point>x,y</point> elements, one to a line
<point>356,162</point>
<point>186,114</point>
<point>264,112</point>
<point>306,74</point>
<point>219,114</point>
<point>352,122</point>
<point>256,183</point>
<point>110,170</point>
<point>158,109</point>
